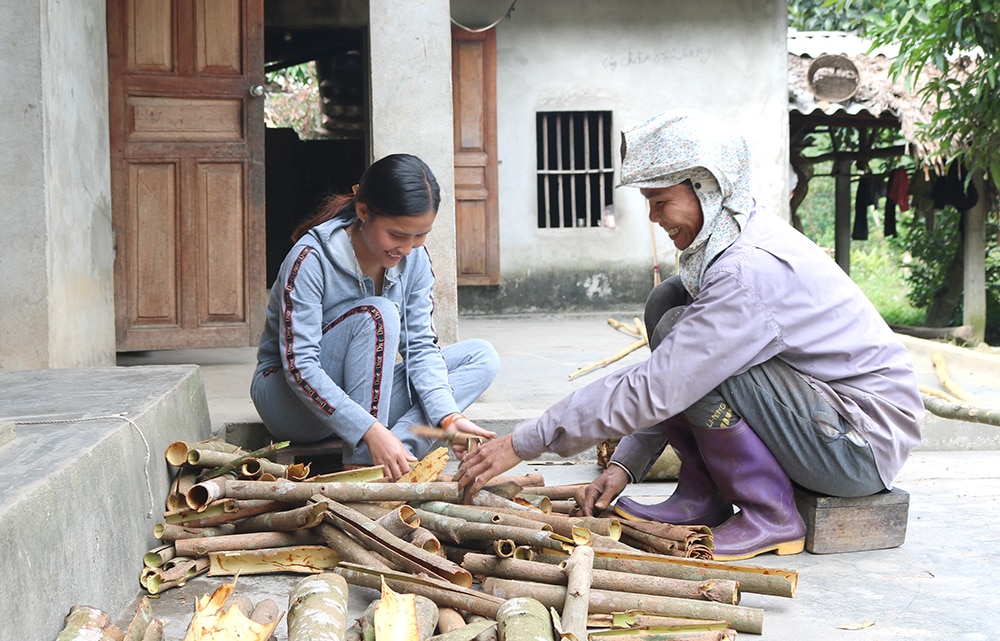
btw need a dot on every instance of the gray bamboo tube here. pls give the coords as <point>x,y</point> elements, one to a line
<point>250,541</point>
<point>482,515</point>
<point>299,518</point>
<point>400,522</point>
<point>285,490</point>
<point>524,619</point>
<point>579,570</point>
<point>349,549</point>
<point>462,531</point>
<point>176,453</point>
<point>489,634</point>
<point>424,538</point>
<point>317,609</point>
<point>740,618</point>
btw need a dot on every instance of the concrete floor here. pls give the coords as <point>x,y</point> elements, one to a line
<point>939,584</point>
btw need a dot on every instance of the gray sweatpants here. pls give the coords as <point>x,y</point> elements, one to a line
<point>816,447</point>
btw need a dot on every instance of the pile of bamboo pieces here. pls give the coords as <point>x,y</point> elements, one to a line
<point>515,550</point>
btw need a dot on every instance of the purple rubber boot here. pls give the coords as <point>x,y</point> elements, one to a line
<point>748,474</point>
<point>695,501</point>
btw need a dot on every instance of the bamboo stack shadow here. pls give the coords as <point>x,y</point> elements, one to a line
<point>517,552</point>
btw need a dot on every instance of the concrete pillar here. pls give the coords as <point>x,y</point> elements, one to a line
<point>974,277</point>
<point>56,247</point>
<point>842,213</point>
<point>411,112</point>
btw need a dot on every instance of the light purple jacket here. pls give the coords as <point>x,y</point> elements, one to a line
<point>772,293</point>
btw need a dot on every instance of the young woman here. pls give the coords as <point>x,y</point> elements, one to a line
<point>349,348</point>
<point>768,366</point>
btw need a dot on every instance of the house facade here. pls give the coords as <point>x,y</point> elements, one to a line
<point>524,145</point>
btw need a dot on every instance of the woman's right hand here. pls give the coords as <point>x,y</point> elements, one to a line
<point>388,451</point>
<point>603,490</point>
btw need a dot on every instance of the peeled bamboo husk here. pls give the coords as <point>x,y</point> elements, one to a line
<point>370,474</point>
<point>175,575</point>
<point>201,546</point>
<point>185,478</point>
<point>302,491</point>
<point>675,540</point>
<point>301,559</point>
<point>524,619</point>
<point>741,618</point>
<point>158,555</point>
<point>400,552</point>
<point>85,623</point>
<point>212,620</point>
<point>450,619</point>
<point>317,609</point>
<point>395,616</point>
<point>719,590</point>
<point>579,573</point>
<point>441,592</point>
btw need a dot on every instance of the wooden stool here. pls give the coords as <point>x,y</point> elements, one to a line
<point>835,524</point>
<point>305,453</point>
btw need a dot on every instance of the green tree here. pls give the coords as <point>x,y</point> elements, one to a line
<point>954,46</point>
<point>815,15</point>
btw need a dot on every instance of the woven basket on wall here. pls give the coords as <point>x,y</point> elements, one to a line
<point>833,78</point>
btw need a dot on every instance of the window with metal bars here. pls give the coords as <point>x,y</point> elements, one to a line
<point>575,172</point>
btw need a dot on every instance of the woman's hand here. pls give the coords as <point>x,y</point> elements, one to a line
<point>486,461</point>
<point>388,451</point>
<point>603,490</point>
<point>464,426</point>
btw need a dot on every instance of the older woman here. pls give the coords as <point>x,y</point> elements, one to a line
<point>768,367</point>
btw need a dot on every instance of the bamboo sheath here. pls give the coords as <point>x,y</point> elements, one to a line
<point>302,491</point>
<point>579,577</point>
<point>754,579</point>
<point>742,619</point>
<point>301,559</point>
<point>401,553</point>
<point>317,609</point>
<point>442,592</point>
<point>719,590</point>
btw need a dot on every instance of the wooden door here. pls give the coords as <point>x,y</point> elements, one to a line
<point>187,158</point>
<point>477,225</point>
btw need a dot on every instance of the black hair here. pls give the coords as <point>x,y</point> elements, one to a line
<point>396,185</point>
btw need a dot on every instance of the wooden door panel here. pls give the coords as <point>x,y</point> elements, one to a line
<point>477,236</point>
<point>187,172</point>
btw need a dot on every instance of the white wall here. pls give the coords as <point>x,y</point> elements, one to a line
<point>57,255</point>
<point>634,58</point>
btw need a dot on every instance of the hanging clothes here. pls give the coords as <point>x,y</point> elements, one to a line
<point>897,196</point>
<point>864,198</point>
<point>950,190</point>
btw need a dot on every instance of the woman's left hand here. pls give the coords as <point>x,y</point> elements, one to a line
<point>464,426</point>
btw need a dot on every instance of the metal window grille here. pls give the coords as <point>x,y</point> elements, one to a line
<point>575,172</point>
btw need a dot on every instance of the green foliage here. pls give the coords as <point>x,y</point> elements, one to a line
<point>954,45</point>
<point>815,15</point>
<point>292,100</point>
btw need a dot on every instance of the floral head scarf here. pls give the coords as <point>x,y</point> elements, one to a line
<point>683,144</point>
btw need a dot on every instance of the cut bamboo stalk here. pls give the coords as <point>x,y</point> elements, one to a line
<point>632,619</point>
<point>502,548</point>
<point>234,465</point>
<point>559,492</point>
<point>350,550</point>
<point>482,498</point>
<point>505,489</point>
<point>579,571</point>
<point>568,507</point>
<point>202,494</point>
<point>85,623</point>
<point>141,621</point>
<point>461,531</point>
<point>537,501</point>
<point>176,453</point>
<point>250,541</point>
<point>207,458</point>
<point>299,518</point>
<point>299,491</point>
<point>243,602</point>
<point>563,524</point>
<point>524,619</point>
<point>489,634</point>
<point>159,555</point>
<point>468,632</point>
<point>183,481</point>
<point>532,480</point>
<point>317,609</point>
<point>401,521</point>
<point>483,515</point>
<point>961,411</point>
<point>740,618</point>
<point>298,559</point>
<point>424,538</point>
<point>941,369</point>
<point>374,511</point>
<point>254,467</point>
<point>400,553</point>
<point>171,532</point>
<point>754,579</point>
<point>265,611</point>
<point>673,540</point>
<point>296,471</point>
<point>442,592</point>
<point>225,511</point>
<point>427,616</point>
<point>524,553</point>
<point>719,590</point>
<point>450,619</point>
<point>663,634</point>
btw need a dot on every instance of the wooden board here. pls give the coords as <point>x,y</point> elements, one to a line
<point>835,525</point>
